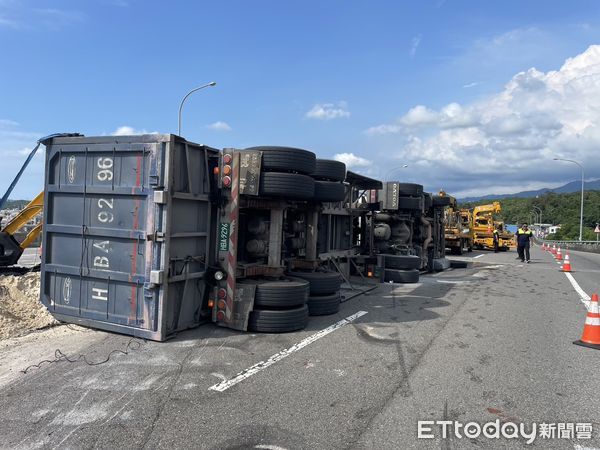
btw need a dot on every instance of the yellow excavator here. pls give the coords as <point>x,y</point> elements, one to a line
<point>484,226</point>
<point>11,248</point>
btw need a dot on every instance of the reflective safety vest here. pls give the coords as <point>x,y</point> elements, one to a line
<point>523,237</point>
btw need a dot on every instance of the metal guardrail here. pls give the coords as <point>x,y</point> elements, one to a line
<point>582,246</point>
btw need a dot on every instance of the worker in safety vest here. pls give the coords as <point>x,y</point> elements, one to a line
<point>496,240</point>
<point>524,235</point>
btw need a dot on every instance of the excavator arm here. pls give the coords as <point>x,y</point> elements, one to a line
<point>10,248</point>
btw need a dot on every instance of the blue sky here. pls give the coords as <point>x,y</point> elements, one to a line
<point>335,77</point>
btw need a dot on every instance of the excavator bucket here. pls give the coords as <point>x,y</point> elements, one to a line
<point>10,250</point>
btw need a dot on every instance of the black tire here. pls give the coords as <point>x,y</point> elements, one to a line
<point>291,185</point>
<point>289,292</point>
<point>287,159</point>
<point>439,200</point>
<point>278,321</point>
<point>410,203</point>
<point>410,189</point>
<point>403,262</point>
<point>329,191</point>
<point>459,264</point>
<point>455,251</point>
<point>327,169</point>
<point>458,250</point>
<point>324,304</point>
<point>321,283</point>
<point>401,276</point>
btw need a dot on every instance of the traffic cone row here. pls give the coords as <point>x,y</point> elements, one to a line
<point>591,329</point>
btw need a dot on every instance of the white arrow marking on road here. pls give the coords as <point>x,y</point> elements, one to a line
<point>226,384</point>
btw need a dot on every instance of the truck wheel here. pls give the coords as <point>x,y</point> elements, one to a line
<point>459,264</point>
<point>323,305</point>
<point>403,262</point>
<point>329,191</point>
<point>469,248</point>
<point>287,159</point>
<point>439,200</point>
<point>278,321</point>
<point>327,169</point>
<point>321,283</point>
<point>410,189</point>
<point>285,293</point>
<point>410,203</point>
<point>401,276</point>
<point>291,185</point>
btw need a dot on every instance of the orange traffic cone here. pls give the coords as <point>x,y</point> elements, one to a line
<point>566,267</point>
<point>558,255</point>
<point>591,328</point>
<point>553,251</point>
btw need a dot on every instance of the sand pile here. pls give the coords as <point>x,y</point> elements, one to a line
<point>20,307</point>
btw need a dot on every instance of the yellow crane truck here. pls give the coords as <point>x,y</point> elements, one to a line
<point>484,224</point>
<point>458,229</point>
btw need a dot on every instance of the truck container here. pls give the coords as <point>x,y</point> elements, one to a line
<point>127,236</point>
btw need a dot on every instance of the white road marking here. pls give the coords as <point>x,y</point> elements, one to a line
<point>226,384</point>
<point>585,299</point>
<point>478,256</point>
<point>581,447</point>
<point>270,447</point>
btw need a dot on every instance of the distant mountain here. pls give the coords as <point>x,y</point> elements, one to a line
<point>573,186</point>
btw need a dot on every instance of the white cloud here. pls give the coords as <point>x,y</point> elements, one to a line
<point>16,16</point>
<point>328,111</point>
<point>414,45</point>
<point>509,138</point>
<point>129,131</point>
<point>219,126</point>
<point>351,160</point>
<point>452,115</point>
<point>472,84</point>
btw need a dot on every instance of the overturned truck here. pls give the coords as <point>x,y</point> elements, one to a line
<point>149,235</point>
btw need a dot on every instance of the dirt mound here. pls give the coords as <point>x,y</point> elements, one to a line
<point>20,307</point>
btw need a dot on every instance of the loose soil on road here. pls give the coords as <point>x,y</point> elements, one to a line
<point>20,309</point>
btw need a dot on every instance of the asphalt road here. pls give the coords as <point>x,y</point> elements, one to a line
<point>493,341</point>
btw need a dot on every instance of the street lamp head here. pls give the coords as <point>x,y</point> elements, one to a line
<point>212,83</point>
<point>404,166</point>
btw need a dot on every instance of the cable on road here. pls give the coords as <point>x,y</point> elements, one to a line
<point>133,344</point>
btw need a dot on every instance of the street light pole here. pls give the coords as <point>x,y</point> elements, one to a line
<point>540,210</point>
<point>212,83</point>
<point>582,184</point>
<point>403,166</point>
